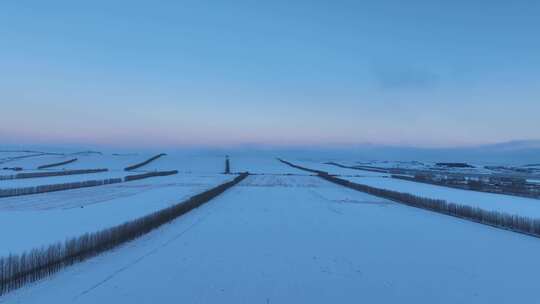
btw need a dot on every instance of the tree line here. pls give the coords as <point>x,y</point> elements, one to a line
<point>300,167</point>
<point>149,174</point>
<point>57,164</point>
<point>75,185</point>
<point>51,173</point>
<point>58,173</point>
<point>497,219</point>
<point>57,187</point>
<point>136,166</point>
<point>512,222</point>
<point>19,269</point>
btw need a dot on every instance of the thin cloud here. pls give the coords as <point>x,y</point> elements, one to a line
<point>405,78</point>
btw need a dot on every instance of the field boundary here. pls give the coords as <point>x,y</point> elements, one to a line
<point>356,168</point>
<point>501,220</point>
<point>57,187</point>
<point>80,184</point>
<point>149,174</point>
<point>51,173</point>
<point>58,164</point>
<point>38,263</point>
<point>58,173</point>
<point>144,163</point>
<point>300,167</point>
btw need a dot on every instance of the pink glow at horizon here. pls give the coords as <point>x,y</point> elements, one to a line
<point>178,74</point>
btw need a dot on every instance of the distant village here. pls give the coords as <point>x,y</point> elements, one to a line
<point>519,181</point>
<point>513,181</point>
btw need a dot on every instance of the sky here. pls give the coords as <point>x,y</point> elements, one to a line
<point>423,73</point>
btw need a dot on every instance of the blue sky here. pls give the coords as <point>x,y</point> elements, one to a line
<point>184,73</point>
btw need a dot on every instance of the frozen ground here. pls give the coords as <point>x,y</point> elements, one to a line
<point>87,160</point>
<point>34,160</point>
<point>188,163</point>
<point>114,162</point>
<point>267,165</point>
<point>38,181</point>
<point>299,239</point>
<point>489,201</point>
<point>8,156</point>
<point>37,220</point>
<point>31,221</point>
<point>336,169</point>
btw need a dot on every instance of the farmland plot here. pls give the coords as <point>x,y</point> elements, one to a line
<point>114,162</point>
<point>302,240</point>
<point>38,181</point>
<point>528,207</point>
<point>33,161</point>
<point>42,219</point>
<point>337,170</point>
<point>266,165</point>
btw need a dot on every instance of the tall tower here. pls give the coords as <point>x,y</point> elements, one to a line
<point>227,165</point>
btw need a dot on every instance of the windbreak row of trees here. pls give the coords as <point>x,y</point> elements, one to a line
<point>362,168</point>
<point>517,186</point>
<point>17,270</point>
<point>6,177</point>
<point>57,187</point>
<point>75,185</point>
<point>58,173</point>
<point>149,174</point>
<point>136,166</point>
<point>300,167</point>
<point>498,219</point>
<point>57,164</point>
<point>51,173</point>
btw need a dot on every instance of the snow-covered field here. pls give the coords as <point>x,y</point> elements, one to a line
<point>31,221</point>
<point>38,181</point>
<point>37,220</point>
<point>490,201</point>
<point>336,169</point>
<point>32,161</point>
<point>267,165</point>
<point>280,236</point>
<point>298,239</point>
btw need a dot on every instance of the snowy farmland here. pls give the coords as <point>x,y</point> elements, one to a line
<point>282,235</point>
<point>527,207</point>
<point>299,239</point>
<point>63,214</point>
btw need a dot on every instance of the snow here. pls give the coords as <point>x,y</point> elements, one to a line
<point>184,163</point>
<point>42,219</point>
<point>416,165</point>
<point>298,239</point>
<point>266,165</point>
<point>9,155</point>
<point>36,160</point>
<point>336,169</point>
<point>490,201</point>
<point>113,162</point>
<point>51,180</point>
<point>187,163</point>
